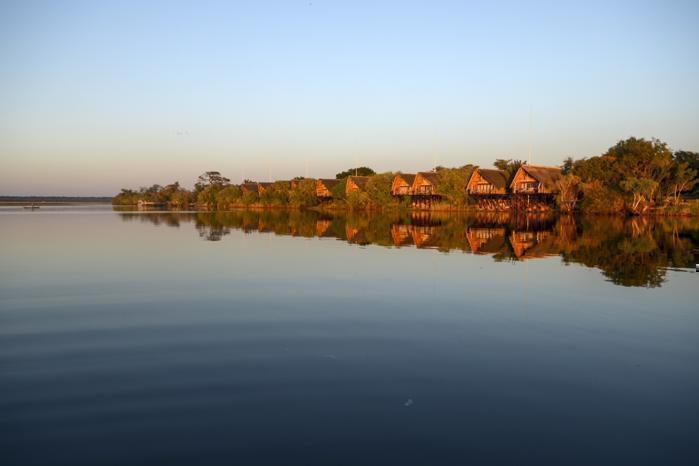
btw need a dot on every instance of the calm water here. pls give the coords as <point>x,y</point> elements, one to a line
<point>293,338</point>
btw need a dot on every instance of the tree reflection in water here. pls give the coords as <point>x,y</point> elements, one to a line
<point>629,251</point>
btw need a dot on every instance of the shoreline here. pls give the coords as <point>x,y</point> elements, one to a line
<point>456,210</point>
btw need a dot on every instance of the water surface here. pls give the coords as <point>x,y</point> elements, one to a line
<point>299,338</point>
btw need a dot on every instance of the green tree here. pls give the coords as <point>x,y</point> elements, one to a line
<point>687,162</point>
<point>451,184</point>
<point>212,178</point>
<point>338,190</point>
<point>208,196</point>
<point>209,183</point>
<point>681,179</point>
<point>509,166</point>
<point>303,194</point>
<point>228,197</point>
<point>641,190</point>
<point>378,191</point>
<point>358,171</point>
<point>569,191</point>
<point>639,171</point>
<point>568,164</point>
<point>357,200</point>
<point>126,197</point>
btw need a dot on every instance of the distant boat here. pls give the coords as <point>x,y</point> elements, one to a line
<point>31,207</point>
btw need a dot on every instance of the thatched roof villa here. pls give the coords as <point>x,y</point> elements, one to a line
<point>262,187</point>
<point>425,184</point>
<point>324,188</point>
<point>356,183</point>
<point>533,179</point>
<point>402,184</point>
<point>250,188</point>
<point>486,181</point>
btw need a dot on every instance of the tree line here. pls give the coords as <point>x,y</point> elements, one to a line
<point>634,176</point>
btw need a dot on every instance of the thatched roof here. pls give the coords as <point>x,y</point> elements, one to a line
<point>432,177</point>
<point>407,177</point>
<point>250,187</point>
<point>497,178</point>
<point>547,176</point>
<point>360,181</point>
<point>328,183</point>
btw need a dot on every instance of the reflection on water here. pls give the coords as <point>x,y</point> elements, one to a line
<point>131,338</point>
<point>628,251</point>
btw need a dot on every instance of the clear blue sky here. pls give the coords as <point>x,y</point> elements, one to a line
<point>97,95</point>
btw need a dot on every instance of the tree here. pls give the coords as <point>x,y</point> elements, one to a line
<point>126,197</point>
<point>688,157</point>
<point>212,178</point>
<point>642,190</point>
<point>687,162</point>
<point>682,178</point>
<point>638,170</point>
<point>357,200</point>
<point>303,194</point>
<point>358,171</point>
<point>207,187</point>
<point>378,190</point>
<point>642,167</point>
<point>338,191</point>
<point>451,183</point>
<point>207,196</point>
<point>568,164</point>
<point>228,196</point>
<point>569,191</point>
<point>509,166</point>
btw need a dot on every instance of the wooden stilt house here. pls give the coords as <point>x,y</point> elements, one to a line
<point>324,188</point>
<point>250,188</point>
<point>355,183</point>
<point>534,187</point>
<point>425,184</point>
<point>489,188</point>
<point>294,184</point>
<point>402,184</point>
<point>424,190</point>
<point>262,187</point>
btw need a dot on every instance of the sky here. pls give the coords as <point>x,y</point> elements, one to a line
<point>100,95</point>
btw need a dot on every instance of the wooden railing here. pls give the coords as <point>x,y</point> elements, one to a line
<point>528,187</point>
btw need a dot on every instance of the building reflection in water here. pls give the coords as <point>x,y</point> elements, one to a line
<point>628,251</point>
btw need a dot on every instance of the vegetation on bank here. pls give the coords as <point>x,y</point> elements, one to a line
<point>635,176</point>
